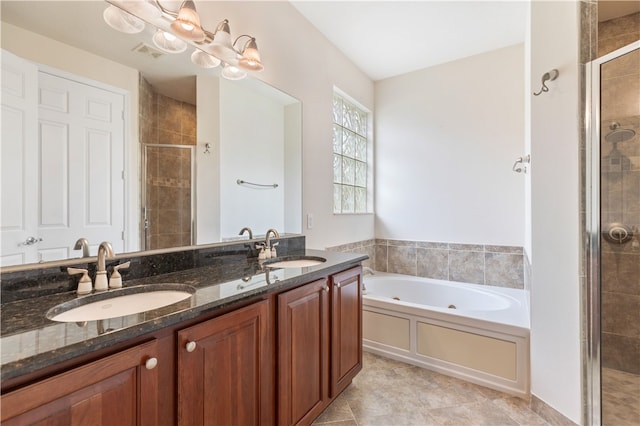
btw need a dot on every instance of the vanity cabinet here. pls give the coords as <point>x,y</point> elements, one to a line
<point>319,344</point>
<point>279,358</point>
<point>120,389</point>
<point>303,353</point>
<point>225,369</point>
<point>346,328</point>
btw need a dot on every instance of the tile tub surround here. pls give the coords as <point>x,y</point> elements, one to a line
<point>501,266</point>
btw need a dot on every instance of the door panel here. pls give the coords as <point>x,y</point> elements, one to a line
<point>18,159</point>
<point>82,128</point>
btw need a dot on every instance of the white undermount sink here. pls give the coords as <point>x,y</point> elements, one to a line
<point>118,303</point>
<point>295,262</point>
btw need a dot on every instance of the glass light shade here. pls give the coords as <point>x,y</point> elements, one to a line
<point>169,43</point>
<point>187,24</point>
<point>142,8</point>
<point>122,21</point>
<point>251,57</point>
<point>221,45</point>
<point>204,60</point>
<point>231,72</point>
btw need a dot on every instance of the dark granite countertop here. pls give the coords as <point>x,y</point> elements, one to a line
<point>30,342</point>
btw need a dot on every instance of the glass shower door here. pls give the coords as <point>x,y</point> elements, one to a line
<point>619,121</point>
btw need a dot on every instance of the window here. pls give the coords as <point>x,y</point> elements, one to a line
<point>351,153</point>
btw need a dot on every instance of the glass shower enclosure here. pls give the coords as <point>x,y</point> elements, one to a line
<point>614,222</point>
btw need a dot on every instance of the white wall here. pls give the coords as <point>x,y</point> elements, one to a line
<point>251,149</point>
<point>555,224</point>
<point>207,164</point>
<point>446,139</point>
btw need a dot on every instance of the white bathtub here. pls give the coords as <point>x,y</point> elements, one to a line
<point>473,332</point>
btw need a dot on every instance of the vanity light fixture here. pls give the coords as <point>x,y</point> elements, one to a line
<point>250,55</point>
<point>168,42</point>
<point>175,30</point>
<point>232,72</point>
<point>122,21</point>
<point>204,60</point>
<point>187,24</point>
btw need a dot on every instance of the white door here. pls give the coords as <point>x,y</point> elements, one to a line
<point>19,161</point>
<point>62,165</point>
<point>81,166</point>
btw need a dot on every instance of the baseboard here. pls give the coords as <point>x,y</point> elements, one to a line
<point>548,413</point>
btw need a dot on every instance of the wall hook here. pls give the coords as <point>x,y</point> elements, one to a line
<point>206,148</point>
<point>520,165</point>
<point>548,76</point>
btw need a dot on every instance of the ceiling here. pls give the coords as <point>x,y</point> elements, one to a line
<point>383,38</point>
<point>411,35</point>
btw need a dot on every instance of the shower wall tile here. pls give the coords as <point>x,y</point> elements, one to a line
<point>466,266</point>
<point>616,33</point>
<point>588,31</point>
<point>621,272</point>
<point>188,123</point>
<point>621,353</point>
<point>620,200</point>
<point>167,121</point>
<point>622,317</point>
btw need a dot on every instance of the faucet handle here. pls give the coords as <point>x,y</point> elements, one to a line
<point>85,286</point>
<point>116,279</point>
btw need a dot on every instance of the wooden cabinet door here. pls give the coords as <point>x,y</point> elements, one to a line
<point>225,370</point>
<point>346,328</point>
<point>303,353</point>
<point>117,390</point>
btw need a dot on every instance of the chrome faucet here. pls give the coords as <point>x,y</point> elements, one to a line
<point>82,244</point>
<point>247,229</point>
<point>105,251</point>
<point>366,270</point>
<point>267,241</point>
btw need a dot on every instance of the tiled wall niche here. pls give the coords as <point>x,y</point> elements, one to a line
<point>501,266</point>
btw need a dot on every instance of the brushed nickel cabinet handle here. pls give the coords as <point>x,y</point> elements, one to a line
<point>151,363</point>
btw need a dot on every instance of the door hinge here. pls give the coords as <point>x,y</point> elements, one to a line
<point>122,114</point>
<point>122,174</point>
<point>122,235</point>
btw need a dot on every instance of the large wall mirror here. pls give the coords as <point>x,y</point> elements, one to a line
<point>106,138</point>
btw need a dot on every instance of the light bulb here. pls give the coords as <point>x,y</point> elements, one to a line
<point>231,72</point>
<point>168,42</point>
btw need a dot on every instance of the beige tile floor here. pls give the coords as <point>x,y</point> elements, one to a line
<point>388,392</point>
<point>620,398</point>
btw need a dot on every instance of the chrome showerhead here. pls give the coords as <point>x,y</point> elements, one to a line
<point>619,135</point>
